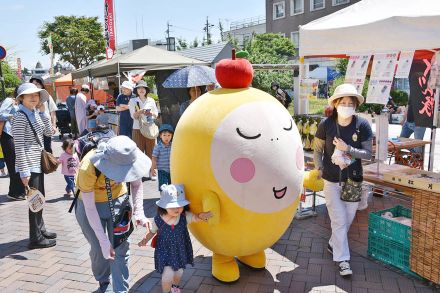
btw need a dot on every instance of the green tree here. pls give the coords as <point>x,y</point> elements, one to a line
<point>195,43</point>
<point>77,40</point>
<point>232,40</point>
<point>182,44</point>
<point>341,65</point>
<point>10,78</point>
<point>220,28</point>
<point>271,48</point>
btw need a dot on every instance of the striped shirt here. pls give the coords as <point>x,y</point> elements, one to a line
<point>27,149</point>
<point>162,153</point>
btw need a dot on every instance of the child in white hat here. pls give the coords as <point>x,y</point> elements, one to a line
<point>172,242</point>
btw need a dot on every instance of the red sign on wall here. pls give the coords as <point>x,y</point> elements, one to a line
<point>109,29</point>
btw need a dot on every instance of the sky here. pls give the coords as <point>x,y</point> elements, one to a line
<point>20,20</point>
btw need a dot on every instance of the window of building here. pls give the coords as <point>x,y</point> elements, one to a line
<point>279,9</point>
<point>317,4</point>
<point>295,38</point>
<point>282,34</point>
<point>296,7</point>
<point>339,2</point>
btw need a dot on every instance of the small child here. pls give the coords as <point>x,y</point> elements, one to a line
<point>69,165</point>
<point>102,118</point>
<point>161,155</point>
<point>2,163</point>
<point>91,117</point>
<point>173,244</point>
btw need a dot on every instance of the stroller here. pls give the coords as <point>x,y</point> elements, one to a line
<point>63,122</point>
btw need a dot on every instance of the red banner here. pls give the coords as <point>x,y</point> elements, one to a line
<point>109,29</point>
<point>19,68</point>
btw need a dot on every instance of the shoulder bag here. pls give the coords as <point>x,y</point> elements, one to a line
<point>147,129</point>
<point>352,188</point>
<point>122,223</point>
<point>49,163</point>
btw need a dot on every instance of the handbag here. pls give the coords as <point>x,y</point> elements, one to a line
<point>49,163</point>
<point>35,199</point>
<point>122,223</point>
<point>2,125</point>
<point>352,188</point>
<point>148,129</point>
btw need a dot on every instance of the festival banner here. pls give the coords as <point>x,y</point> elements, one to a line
<point>357,70</point>
<point>421,98</point>
<point>404,64</point>
<point>50,45</point>
<point>134,76</point>
<point>109,29</point>
<point>381,78</point>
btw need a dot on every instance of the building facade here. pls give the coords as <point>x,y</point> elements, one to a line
<point>243,30</point>
<point>285,16</point>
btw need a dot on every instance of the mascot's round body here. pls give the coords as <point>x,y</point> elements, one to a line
<point>239,155</point>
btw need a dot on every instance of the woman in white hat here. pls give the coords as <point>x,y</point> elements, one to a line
<point>104,205</point>
<point>29,125</point>
<point>143,107</point>
<point>125,120</point>
<point>350,135</point>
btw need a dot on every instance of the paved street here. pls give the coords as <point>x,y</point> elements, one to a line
<point>298,262</point>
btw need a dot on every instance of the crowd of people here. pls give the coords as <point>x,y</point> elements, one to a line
<point>103,177</point>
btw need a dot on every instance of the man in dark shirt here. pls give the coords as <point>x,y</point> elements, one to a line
<point>125,120</point>
<point>70,102</point>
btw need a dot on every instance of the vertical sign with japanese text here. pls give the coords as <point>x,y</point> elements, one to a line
<point>421,95</point>
<point>109,29</point>
<point>19,68</point>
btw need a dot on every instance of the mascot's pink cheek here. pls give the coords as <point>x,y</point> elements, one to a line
<point>299,158</point>
<point>242,170</point>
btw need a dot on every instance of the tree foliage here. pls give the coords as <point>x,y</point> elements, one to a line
<point>271,48</point>
<point>11,80</point>
<point>182,44</point>
<point>77,40</point>
<point>195,43</point>
<point>341,65</point>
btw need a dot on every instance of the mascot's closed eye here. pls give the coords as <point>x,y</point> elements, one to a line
<point>247,136</point>
<point>288,128</point>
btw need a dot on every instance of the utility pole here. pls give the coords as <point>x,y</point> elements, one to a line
<point>171,42</point>
<point>168,30</point>
<point>207,27</point>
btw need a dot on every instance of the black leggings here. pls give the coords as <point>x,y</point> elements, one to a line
<point>15,185</point>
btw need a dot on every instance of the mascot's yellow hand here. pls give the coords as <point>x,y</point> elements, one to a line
<point>211,204</point>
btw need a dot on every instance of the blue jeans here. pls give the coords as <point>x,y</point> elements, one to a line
<point>70,180</point>
<point>102,268</point>
<point>409,128</point>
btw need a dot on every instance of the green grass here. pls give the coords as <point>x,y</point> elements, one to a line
<point>315,106</point>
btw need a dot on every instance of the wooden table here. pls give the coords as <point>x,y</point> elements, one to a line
<point>408,158</point>
<point>371,175</point>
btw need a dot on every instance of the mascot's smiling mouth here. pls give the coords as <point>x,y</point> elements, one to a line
<point>279,194</point>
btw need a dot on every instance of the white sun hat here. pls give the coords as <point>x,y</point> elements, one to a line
<point>345,90</point>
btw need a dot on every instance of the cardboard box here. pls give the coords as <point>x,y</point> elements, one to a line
<point>415,178</point>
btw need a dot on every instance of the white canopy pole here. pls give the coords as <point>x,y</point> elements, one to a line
<point>434,130</point>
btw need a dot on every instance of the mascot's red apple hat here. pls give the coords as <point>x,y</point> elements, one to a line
<point>234,73</point>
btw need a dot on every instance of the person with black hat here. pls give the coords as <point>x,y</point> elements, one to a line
<point>50,108</point>
<point>29,125</point>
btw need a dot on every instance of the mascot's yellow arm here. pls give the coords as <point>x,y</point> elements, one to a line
<point>211,204</point>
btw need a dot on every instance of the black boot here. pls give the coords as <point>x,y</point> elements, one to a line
<point>45,243</point>
<point>49,235</point>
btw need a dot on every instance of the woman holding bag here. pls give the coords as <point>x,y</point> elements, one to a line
<point>143,107</point>
<point>341,141</point>
<point>28,149</point>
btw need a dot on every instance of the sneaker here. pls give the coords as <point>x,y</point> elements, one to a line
<point>329,248</point>
<point>175,289</point>
<point>153,178</point>
<point>17,197</point>
<point>344,268</point>
<point>145,179</point>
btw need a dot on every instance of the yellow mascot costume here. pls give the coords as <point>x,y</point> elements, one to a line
<point>239,155</point>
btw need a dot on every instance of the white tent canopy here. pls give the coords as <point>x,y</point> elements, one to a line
<point>373,26</point>
<point>147,58</point>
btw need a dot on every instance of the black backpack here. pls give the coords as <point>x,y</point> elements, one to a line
<point>85,144</point>
<point>288,99</point>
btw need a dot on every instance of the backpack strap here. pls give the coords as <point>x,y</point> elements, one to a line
<point>75,198</point>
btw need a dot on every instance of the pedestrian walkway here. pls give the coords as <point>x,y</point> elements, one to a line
<point>298,262</point>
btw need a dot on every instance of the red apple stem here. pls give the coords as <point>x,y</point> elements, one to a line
<point>233,54</point>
